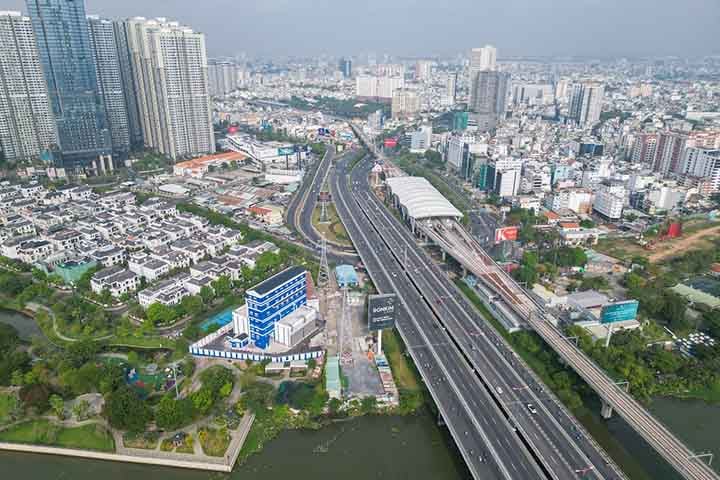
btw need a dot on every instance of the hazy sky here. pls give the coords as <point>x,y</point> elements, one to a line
<point>427,27</point>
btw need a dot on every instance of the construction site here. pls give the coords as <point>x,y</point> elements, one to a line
<point>362,371</point>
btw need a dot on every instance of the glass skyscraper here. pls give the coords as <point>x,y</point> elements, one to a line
<point>67,61</point>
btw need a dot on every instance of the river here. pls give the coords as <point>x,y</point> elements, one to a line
<point>25,325</point>
<point>383,448</point>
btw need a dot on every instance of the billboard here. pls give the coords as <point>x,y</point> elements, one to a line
<point>619,312</point>
<point>301,148</point>
<point>381,311</point>
<point>506,233</point>
<point>390,143</point>
<point>286,151</point>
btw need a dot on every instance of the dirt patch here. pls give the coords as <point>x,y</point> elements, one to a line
<point>676,247</point>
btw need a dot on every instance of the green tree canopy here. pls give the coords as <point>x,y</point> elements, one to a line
<point>126,411</point>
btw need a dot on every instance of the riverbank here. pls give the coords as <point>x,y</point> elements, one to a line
<point>224,463</point>
<point>113,457</point>
<point>368,447</point>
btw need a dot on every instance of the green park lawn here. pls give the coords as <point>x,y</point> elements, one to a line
<point>43,432</point>
<point>8,403</point>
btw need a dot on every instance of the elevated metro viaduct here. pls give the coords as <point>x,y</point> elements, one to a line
<point>435,224</point>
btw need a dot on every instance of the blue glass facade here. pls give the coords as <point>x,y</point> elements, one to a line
<point>67,61</point>
<point>273,300</point>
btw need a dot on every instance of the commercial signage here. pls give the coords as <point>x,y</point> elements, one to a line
<point>506,234</point>
<point>381,311</point>
<point>301,148</point>
<point>619,312</point>
<point>390,143</point>
<point>286,151</point>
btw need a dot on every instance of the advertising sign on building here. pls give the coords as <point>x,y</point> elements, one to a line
<point>619,312</point>
<point>381,311</point>
<point>505,234</point>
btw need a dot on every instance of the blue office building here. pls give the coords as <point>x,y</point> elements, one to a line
<point>273,300</point>
<point>66,57</point>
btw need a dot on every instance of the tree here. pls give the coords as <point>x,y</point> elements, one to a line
<point>334,406</point>
<point>226,390</point>
<point>526,274</point>
<point>222,286</point>
<point>674,311</point>
<point>36,396</point>
<point>18,379</point>
<point>594,283</point>
<point>126,411</point>
<point>81,410</point>
<point>82,380</point>
<point>58,406</point>
<point>207,294</point>
<point>368,404</point>
<point>641,261</point>
<point>79,353</point>
<point>159,314</point>
<point>172,414</point>
<point>711,321</point>
<point>193,305</point>
<point>203,400</point>
<point>633,281</point>
<point>587,224</point>
<point>106,297</point>
<point>133,358</point>
<point>434,158</point>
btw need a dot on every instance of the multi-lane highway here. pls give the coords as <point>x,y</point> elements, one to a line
<point>303,204</point>
<point>489,444</point>
<point>543,426</point>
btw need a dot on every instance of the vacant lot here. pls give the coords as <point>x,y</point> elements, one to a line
<point>697,240</point>
<point>401,369</point>
<point>697,236</point>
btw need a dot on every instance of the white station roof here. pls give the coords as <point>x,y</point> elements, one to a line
<point>421,199</point>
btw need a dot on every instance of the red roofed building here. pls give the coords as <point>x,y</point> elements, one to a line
<point>198,167</point>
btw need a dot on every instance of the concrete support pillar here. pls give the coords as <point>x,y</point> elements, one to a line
<point>444,255</point>
<point>606,410</point>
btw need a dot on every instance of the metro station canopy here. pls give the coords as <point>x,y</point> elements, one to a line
<point>420,199</point>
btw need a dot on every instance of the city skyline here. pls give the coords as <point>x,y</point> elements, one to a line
<point>519,28</point>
